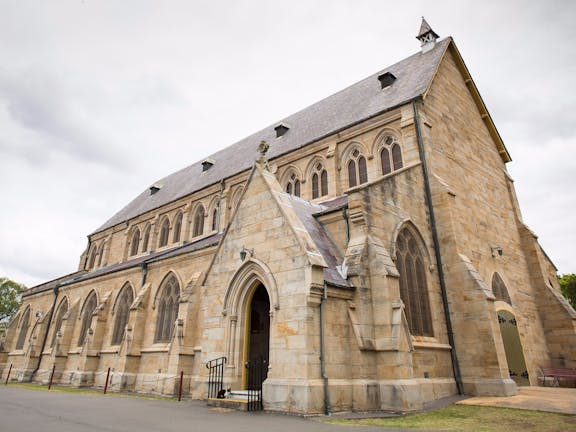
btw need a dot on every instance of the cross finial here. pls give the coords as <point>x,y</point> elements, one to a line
<point>262,149</point>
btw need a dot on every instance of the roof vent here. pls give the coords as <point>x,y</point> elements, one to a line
<point>281,129</point>
<point>426,36</point>
<point>207,164</point>
<point>386,79</point>
<point>155,188</point>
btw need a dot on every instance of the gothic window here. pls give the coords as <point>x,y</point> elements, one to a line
<point>499,289</point>
<point>357,170</point>
<point>135,242</point>
<point>146,239</point>
<point>24,326</point>
<point>167,309</point>
<point>214,219</point>
<point>164,232</point>
<point>319,181</point>
<point>100,254</point>
<point>413,287</point>
<point>177,228</point>
<point>198,222</point>
<point>62,310</point>
<point>125,299</point>
<point>92,258</point>
<point>89,307</point>
<point>293,185</point>
<point>390,156</point>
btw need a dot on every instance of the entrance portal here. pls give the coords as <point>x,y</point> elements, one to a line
<point>258,337</point>
<point>513,348</point>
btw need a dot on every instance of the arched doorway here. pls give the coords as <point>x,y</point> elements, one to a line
<point>513,348</point>
<point>257,342</point>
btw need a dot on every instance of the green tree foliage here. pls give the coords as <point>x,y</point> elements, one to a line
<point>568,287</point>
<point>9,299</point>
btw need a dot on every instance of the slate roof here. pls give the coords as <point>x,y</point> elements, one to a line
<point>306,210</point>
<point>135,262</point>
<point>359,102</point>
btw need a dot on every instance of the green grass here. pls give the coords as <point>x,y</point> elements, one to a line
<point>466,418</point>
<point>88,391</point>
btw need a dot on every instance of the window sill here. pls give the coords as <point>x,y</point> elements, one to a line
<point>429,343</point>
<point>156,349</point>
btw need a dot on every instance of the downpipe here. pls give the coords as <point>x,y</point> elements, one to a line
<point>446,307</point>
<point>327,407</point>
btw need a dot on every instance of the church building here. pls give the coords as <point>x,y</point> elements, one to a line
<point>365,253</point>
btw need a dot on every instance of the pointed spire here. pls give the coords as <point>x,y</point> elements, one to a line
<point>427,36</point>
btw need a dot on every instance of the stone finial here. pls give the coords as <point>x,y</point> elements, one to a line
<point>426,36</point>
<point>262,149</point>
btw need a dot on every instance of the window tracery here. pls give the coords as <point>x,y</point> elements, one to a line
<point>357,169</point>
<point>413,286</point>
<point>167,309</point>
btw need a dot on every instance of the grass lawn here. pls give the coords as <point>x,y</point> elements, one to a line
<point>475,419</point>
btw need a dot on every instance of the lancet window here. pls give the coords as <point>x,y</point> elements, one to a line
<point>89,307</point>
<point>123,303</point>
<point>357,169</point>
<point>413,286</point>
<point>167,309</point>
<point>24,326</point>
<point>319,181</point>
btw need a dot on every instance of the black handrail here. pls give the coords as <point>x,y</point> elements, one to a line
<point>216,377</point>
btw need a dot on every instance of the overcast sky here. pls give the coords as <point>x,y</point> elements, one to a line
<point>98,99</point>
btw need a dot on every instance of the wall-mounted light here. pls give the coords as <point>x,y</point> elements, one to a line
<point>244,251</point>
<point>496,250</point>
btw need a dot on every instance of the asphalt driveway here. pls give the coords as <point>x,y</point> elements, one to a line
<point>34,410</point>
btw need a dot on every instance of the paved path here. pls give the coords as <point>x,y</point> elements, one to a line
<point>553,399</point>
<point>24,410</point>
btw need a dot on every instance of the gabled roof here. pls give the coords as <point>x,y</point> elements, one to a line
<point>350,106</point>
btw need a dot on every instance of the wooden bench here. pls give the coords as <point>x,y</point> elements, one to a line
<point>555,373</point>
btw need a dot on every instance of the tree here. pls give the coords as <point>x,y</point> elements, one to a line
<point>9,299</point>
<point>568,287</point>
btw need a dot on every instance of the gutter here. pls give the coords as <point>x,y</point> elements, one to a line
<point>454,357</point>
<point>56,290</point>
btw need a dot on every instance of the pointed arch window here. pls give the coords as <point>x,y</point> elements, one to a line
<point>357,169</point>
<point>146,239</point>
<point>24,326</point>
<point>92,258</point>
<point>164,232</point>
<point>123,303</point>
<point>177,228</point>
<point>214,219</point>
<point>198,228</point>
<point>293,185</point>
<point>499,289</point>
<point>100,254</point>
<point>167,309</point>
<point>62,310</point>
<point>390,155</point>
<point>89,307</point>
<point>319,181</point>
<point>135,242</point>
<point>413,286</point>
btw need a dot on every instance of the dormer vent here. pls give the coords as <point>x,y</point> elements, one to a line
<point>155,188</point>
<point>207,164</point>
<point>386,79</point>
<point>281,129</point>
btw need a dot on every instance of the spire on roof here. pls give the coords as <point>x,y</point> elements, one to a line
<point>427,36</point>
